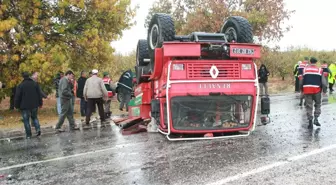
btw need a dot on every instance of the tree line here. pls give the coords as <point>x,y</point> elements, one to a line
<point>50,36</point>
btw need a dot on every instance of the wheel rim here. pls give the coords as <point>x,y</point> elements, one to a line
<point>154,36</point>
<point>231,34</point>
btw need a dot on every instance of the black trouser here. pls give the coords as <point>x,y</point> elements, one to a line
<point>91,105</point>
<point>126,94</point>
<point>11,102</point>
<point>297,88</point>
<point>331,85</point>
<point>83,107</point>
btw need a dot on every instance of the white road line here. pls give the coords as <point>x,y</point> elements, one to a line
<point>273,165</point>
<point>62,158</point>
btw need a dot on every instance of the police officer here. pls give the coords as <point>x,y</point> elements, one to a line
<point>326,70</point>
<point>108,85</point>
<point>301,67</point>
<point>312,83</point>
<point>295,72</point>
<point>332,77</point>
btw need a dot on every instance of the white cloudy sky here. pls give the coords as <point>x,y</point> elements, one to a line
<point>313,25</point>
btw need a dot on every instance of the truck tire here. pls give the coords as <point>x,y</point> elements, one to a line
<point>140,71</point>
<point>238,29</point>
<point>142,53</point>
<point>161,28</point>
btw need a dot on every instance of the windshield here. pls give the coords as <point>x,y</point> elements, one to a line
<point>211,112</point>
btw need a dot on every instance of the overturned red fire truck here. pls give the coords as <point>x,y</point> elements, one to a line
<point>199,86</point>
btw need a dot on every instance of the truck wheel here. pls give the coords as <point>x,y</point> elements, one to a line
<point>238,29</point>
<point>142,53</point>
<point>161,28</point>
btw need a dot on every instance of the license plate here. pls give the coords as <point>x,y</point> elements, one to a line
<point>243,51</point>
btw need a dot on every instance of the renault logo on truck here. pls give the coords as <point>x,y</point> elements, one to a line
<point>214,71</point>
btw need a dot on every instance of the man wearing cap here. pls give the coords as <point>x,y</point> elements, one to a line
<point>312,83</point>
<point>109,86</point>
<point>95,93</point>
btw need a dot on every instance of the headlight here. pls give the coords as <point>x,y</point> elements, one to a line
<point>246,66</point>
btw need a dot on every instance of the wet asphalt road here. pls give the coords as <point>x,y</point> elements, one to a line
<point>283,152</point>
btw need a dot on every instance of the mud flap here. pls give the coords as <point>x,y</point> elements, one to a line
<point>265,110</point>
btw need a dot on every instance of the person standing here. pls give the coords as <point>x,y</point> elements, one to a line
<point>301,68</point>
<point>59,76</point>
<point>81,83</point>
<point>125,84</point>
<point>1,87</point>
<point>332,76</point>
<point>295,72</point>
<point>312,83</point>
<point>44,96</point>
<point>65,95</point>
<point>27,99</point>
<point>95,93</point>
<point>263,74</point>
<point>326,70</point>
<point>108,85</point>
<point>12,98</point>
<point>94,108</point>
<point>73,92</point>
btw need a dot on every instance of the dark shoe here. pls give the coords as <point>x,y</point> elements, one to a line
<point>121,109</point>
<point>38,134</point>
<point>310,126</point>
<point>300,104</point>
<point>316,122</point>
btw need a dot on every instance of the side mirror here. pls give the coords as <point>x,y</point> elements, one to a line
<point>265,105</point>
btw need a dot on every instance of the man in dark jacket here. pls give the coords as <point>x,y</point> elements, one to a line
<point>65,94</point>
<point>263,74</point>
<point>28,98</point>
<point>125,87</point>
<point>81,83</point>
